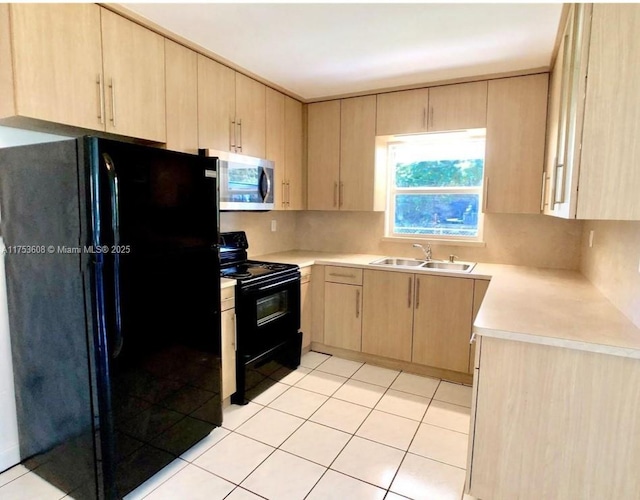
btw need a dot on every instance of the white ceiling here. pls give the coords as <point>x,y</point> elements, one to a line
<point>322,50</point>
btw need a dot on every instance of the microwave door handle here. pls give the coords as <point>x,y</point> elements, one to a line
<point>115,228</point>
<point>265,194</point>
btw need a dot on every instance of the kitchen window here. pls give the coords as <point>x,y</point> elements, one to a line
<point>435,186</point>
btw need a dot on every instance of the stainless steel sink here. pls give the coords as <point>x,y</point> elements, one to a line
<point>449,266</point>
<point>393,261</point>
<point>432,265</point>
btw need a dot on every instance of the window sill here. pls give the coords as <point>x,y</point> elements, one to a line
<point>435,241</point>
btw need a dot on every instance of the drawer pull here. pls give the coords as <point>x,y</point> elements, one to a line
<point>358,303</point>
<point>340,275</point>
<point>409,294</point>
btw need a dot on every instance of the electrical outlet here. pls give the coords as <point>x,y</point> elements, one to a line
<point>274,225</point>
<point>591,233</point>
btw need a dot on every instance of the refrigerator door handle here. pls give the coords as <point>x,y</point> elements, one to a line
<point>115,228</point>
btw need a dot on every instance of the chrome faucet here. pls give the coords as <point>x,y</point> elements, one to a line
<point>427,251</point>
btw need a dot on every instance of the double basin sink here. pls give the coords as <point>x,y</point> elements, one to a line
<point>432,265</point>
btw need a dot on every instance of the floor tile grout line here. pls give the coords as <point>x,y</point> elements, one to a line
<point>17,477</point>
<point>436,460</point>
<point>163,482</point>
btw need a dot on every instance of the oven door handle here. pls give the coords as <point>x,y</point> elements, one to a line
<point>278,284</point>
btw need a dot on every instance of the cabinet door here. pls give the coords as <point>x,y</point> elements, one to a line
<point>228,323</point>
<point>133,59</point>
<point>387,314</point>
<point>609,174</point>
<point>305,311</point>
<point>57,63</point>
<point>182,97</point>
<point>250,116</point>
<point>514,160</point>
<point>323,160</point>
<point>357,153</point>
<point>293,154</point>
<point>479,290</point>
<point>275,144</point>
<point>402,112</point>
<point>455,107</point>
<point>216,105</point>
<point>442,322</point>
<point>343,316</point>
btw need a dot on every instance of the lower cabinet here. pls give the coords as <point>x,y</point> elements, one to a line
<point>442,322</point>
<point>343,307</point>
<point>305,306</point>
<point>553,422</point>
<point>388,314</point>
<point>228,347</point>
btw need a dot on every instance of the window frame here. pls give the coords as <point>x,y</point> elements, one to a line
<point>393,191</point>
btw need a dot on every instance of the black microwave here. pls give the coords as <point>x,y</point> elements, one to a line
<point>245,182</point>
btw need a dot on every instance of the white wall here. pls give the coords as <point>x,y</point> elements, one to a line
<point>9,450</point>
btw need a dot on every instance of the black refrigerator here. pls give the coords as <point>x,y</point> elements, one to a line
<point>112,268</point>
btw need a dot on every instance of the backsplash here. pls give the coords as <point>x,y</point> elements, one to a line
<point>257,225</point>
<point>526,240</point>
<point>612,263</point>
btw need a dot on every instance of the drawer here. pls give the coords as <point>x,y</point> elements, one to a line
<point>227,304</point>
<point>346,275</point>
<point>227,293</point>
<point>305,272</point>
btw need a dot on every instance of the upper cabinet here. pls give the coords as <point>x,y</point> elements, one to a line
<point>182,97</point>
<point>133,61</point>
<point>592,165</point>
<point>342,172</point>
<point>231,110</point>
<point>514,158</point>
<point>435,109</point>
<point>455,107</point>
<point>83,66</point>
<point>402,112</point>
<point>275,144</point>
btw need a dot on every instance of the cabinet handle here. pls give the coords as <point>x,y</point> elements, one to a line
<point>240,135</point>
<point>112,86</point>
<point>284,201</point>
<point>101,99</point>
<point>473,338</point>
<point>561,180</point>
<point>235,333</point>
<point>232,135</point>
<point>485,201</point>
<point>409,294</point>
<point>288,194</point>
<point>544,185</point>
<point>417,293</point>
<point>335,194</point>
<point>341,194</point>
<point>357,302</point>
<point>430,116</point>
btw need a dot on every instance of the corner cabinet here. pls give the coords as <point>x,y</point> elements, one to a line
<point>231,110</point>
<point>342,172</point>
<point>83,66</point>
<point>514,158</point>
<point>591,162</point>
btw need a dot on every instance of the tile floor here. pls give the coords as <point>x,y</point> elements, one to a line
<point>331,429</point>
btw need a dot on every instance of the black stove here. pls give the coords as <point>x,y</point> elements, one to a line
<point>267,313</point>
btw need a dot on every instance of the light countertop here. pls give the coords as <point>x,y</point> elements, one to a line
<point>543,306</point>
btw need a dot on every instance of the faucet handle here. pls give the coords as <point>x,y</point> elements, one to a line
<point>452,258</point>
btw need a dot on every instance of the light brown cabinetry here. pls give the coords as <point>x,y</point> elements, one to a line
<point>228,341</point>
<point>181,74</point>
<point>231,110</point>
<point>455,107</point>
<point>479,291</point>
<point>514,159</point>
<point>305,306</point>
<point>133,61</point>
<point>83,66</point>
<point>591,167</point>
<point>216,105</point>
<point>434,109</point>
<point>553,422</point>
<point>341,156</point>
<point>403,112</point>
<point>387,327</point>
<point>343,307</point>
<point>284,147</point>
<point>442,322</point>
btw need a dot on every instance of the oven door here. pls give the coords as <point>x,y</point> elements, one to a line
<point>268,315</point>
